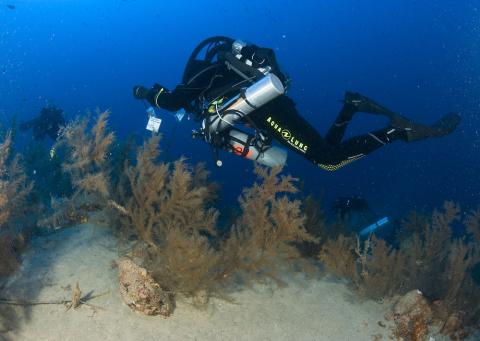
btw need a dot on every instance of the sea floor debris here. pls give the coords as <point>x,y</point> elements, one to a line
<point>76,301</point>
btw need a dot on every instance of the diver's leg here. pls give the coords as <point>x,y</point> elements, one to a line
<point>281,120</point>
<point>364,104</point>
<point>353,103</point>
<point>337,130</point>
<point>415,131</point>
<point>339,155</point>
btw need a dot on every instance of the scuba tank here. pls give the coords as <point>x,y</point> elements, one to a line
<point>251,98</point>
<point>249,147</point>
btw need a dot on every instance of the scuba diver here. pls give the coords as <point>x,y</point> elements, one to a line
<point>356,216</point>
<point>345,206</point>
<point>237,83</point>
<point>47,124</point>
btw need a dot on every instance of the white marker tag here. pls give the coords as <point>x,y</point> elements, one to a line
<point>154,124</point>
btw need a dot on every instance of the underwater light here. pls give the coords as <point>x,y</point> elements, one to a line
<point>370,228</point>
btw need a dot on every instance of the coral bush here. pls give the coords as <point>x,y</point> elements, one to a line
<point>165,199</point>
<point>15,189</point>
<point>169,211</point>
<point>14,185</point>
<point>428,258</point>
<point>4,183</point>
<point>339,258</point>
<point>86,151</point>
<point>315,224</point>
<point>15,210</point>
<point>167,208</point>
<point>264,238</point>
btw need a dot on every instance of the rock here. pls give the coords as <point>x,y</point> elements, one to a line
<point>140,291</point>
<point>412,314</point>
<point>453,327</point>
<point>413,304</point>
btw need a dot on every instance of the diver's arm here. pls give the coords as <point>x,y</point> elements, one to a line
<point>201,76</point>
<point>161,97</point>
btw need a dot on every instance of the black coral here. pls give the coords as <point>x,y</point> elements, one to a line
<point>87,165</point>
<point>88,150</point>
<point>165,198</point>
<point>265,236</point>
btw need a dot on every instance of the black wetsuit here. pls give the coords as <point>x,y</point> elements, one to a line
<point>207,80</point>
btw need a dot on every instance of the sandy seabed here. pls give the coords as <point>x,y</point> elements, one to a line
<point>303,310</point>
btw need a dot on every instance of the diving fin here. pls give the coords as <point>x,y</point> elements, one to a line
<point>414,131</point>
<point>364,104</point>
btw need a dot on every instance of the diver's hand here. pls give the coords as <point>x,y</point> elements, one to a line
<point>140,92</point>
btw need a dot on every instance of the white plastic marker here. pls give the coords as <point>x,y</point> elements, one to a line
<point>153,122</point>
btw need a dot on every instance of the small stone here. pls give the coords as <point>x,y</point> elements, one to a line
<point>201,298</point>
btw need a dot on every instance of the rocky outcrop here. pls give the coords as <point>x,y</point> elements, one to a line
<point>140,292</point>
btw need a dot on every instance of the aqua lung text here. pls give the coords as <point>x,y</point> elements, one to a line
<point>287,136</point>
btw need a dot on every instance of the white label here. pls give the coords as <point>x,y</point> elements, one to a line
<point>154,124</point>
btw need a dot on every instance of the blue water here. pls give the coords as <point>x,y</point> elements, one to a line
<point>420,58</point>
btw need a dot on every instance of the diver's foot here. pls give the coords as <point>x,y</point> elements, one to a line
<point>364,104</point>
<point>414,131</point>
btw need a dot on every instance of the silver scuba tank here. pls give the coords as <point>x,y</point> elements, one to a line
<point>256,95</point>
<point>269,156</point>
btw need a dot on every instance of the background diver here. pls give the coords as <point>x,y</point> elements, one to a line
<point>48,123</point>
<point>238,83</point>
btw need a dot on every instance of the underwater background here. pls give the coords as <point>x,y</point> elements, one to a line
<point>420,58</point>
